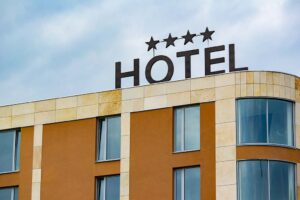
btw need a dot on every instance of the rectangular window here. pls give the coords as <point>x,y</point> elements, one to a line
<point>108,188</point>
<point>10,193</point>
<point>266,180</point>
<point>265,121</point>
<point>108,137</point>
<point>187,183</point>
<point>187,128</point>
<point>9,150</point>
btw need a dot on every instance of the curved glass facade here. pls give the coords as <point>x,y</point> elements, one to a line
<point>265,121</point>
<point>266,180</point>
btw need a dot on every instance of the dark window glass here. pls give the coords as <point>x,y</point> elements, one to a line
<point>282,184</point>
<point>9,150</point>
<point>187,128</point>
<point>10,193</point>
<point>108,188</point>
<point>187,183</point>
<point>265,121</point>
<point>109,135</point>
<point>253,180</point>
<point>266,180</point>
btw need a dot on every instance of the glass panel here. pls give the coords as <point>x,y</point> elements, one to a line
<point>252,121</point>
<point>253,180</point>
<point>101,139</point>
<point>178,128</point>
<point>192,128</point>
<point>113,137</point>
<point>100,189</point>
<point>112,188</point>
<point>280,120</point>
<point>192,183</point>
<point>6,193</point>
<point>16,193</point>
<point>178,184</point>
<point>7,151</point>
<point>17,151</point>
<point>282,181</point>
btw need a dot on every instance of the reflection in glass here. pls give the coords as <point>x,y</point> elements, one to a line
<point>265,121</point>
<point>252,120</point>
<point>108,188</point>
<point>187,128</point>
<point>10,193</point>
<point>266,180</point>
<point>109,135</point>
<point>9,150</point>
<point>187,183</point>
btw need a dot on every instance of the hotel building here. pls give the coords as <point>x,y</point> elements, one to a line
<point>232,136</point>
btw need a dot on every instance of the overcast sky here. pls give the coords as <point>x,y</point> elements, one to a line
<point>59,48</point>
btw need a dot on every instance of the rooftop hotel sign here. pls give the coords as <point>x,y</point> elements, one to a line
<point>186,55</point>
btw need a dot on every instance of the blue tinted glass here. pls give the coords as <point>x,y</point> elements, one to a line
<point>282,181</point>
<point>192,128</point>
<point>17,151</point>
<point>178,184</point>
<point>252,122</point>
<point>102,140</point>
<point>100,189</point>
<point>253,180</point>
<point>113,137</point>
<point>280,120</point>
<point>112,188</point>
<point>192,183</point>
<point>7,151</point>
<point>178,129</point>
<point>6,193</point>
<point>16,193</point>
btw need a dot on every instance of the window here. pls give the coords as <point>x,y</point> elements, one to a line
<point>265,121</point>
<point>108,188</point>
<point>109,133</point>
<point>9,193</point>
<point>266,180</point>
<point>187,184</point>
<point>9,150</point>
<point>187,128</point>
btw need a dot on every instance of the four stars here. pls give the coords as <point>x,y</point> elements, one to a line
<point>187,38</point>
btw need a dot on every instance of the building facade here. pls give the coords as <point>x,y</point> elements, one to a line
<point>225,137</point>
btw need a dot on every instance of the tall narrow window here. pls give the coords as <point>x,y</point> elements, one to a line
<point>266,180</point>
<point>187,184</point>
<point>9,150</point>
<point>10,193</point>
<point>187,128</point>
<point>109,133</point>
<point>265,121</point>
<point>108,188</point>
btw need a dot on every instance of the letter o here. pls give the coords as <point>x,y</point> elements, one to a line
<point>150,64</point>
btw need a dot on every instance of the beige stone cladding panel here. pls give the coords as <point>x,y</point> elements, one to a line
<point>43,106</point>
<point>5,111</point>
<point>87,99</point>
<point>227,192</point>
<point>5,123</point>
<point>67,102</point>
<point>22,109</point>
<point>203,83</point>
<point>110,96</point>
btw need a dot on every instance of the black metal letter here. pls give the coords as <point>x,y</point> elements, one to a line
<point>187,55</point>
<point>135,73</point>
<point>209,61</point>
<point>152,62</point>
<point>232,60</point>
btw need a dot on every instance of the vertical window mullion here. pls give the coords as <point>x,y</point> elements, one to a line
<point>104,188</point>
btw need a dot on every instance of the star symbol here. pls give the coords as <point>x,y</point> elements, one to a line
<point>152,43</point>
<point>188,37</point>
<point>170,40</point>
<point>207,34</point>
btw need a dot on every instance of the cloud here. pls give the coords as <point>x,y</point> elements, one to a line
<point>68,47</point>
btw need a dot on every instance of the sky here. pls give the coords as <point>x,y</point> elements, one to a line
<point>57,48</point>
